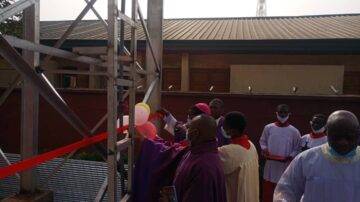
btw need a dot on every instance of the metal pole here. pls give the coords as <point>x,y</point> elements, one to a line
<point>2,154</point>
<point>42,84</point>
<point>70,29</point>
<point>112,98</point>
<point>98,15</point>
<point>120,95</point>
<point>30,101</point>
<point>149,40</point>
<point>93,130</point>
<point>14,8</point>
<point>132,97</point>
<point>150,90</point>
<point>154,26</point>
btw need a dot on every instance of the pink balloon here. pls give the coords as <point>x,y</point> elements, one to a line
<point>148,130</point>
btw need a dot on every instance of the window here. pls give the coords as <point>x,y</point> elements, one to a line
<point>171,79</point>
<point>209,79</point>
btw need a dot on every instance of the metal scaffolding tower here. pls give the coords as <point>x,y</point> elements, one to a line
<point>261,8</point>
<point>121,82</point>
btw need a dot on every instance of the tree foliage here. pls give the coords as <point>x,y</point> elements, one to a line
<point>13,25</point>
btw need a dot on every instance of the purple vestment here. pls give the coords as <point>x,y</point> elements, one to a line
<point>219,133</point>
<point>158,162</point>
<point>200,176</point>
<point>155,168</point>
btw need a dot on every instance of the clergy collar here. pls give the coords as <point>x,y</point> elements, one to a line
<point>317,135</point>
<point>210,146</point>
<point>243,141</point>
<point>282,125</point>
<point>326,150</point>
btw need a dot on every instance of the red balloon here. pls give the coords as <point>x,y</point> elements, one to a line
<point>148,130</point>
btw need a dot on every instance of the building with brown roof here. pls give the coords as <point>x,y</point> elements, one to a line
<point>306,55</point>
<point>301,61</point>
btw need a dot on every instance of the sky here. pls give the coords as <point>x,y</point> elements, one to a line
<point>69,9</point>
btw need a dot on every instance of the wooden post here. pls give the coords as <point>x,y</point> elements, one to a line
<point>30,101</point>
<point>185,72</point>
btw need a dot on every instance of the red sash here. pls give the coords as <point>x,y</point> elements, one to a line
<point>279,124</point>
<point>317,135</point>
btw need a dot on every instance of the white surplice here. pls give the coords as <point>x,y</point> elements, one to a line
<point>279,141</point>
<point>310,142</point>
<point>318,175</point>
<point>241,170</point>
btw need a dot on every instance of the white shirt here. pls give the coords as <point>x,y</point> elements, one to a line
<point>310,142</point>
<point>279,141</point>
<point>317,175</point>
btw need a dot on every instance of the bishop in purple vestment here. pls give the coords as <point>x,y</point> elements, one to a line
<point>194,170</point>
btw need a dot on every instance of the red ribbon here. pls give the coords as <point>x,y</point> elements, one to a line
<point>39,159</point>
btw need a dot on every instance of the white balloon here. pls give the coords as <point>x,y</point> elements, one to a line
<point>141,115</point>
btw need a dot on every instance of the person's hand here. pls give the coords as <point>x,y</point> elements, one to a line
<point>163,112</point>
<point>179,128</point>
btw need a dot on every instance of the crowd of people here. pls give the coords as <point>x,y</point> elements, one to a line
<point>210,158</point>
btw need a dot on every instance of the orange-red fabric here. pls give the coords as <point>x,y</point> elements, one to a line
<point>279,124</point>
<point>242,141</point>
<point>268,191</point>
<point>317,135</point>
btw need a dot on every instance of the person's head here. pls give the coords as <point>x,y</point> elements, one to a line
<point>234,124</point>
<point>197,109</point>
<point>343,131</point>
<point>282,112</point>
<point>318,123</point>
<point>217,107</point>
<point>202,129</point>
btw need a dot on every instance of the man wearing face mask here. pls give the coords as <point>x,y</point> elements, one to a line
<point>280,143</point>
<point>317,136</point>
<point>240,161</point>
<point>329,172</point>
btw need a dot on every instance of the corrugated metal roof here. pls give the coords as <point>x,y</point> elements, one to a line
<point>346,26</point>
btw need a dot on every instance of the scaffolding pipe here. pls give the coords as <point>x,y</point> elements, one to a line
<point>146,31</point>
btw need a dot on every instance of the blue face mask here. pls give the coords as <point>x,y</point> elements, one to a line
<point>348,155</point>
